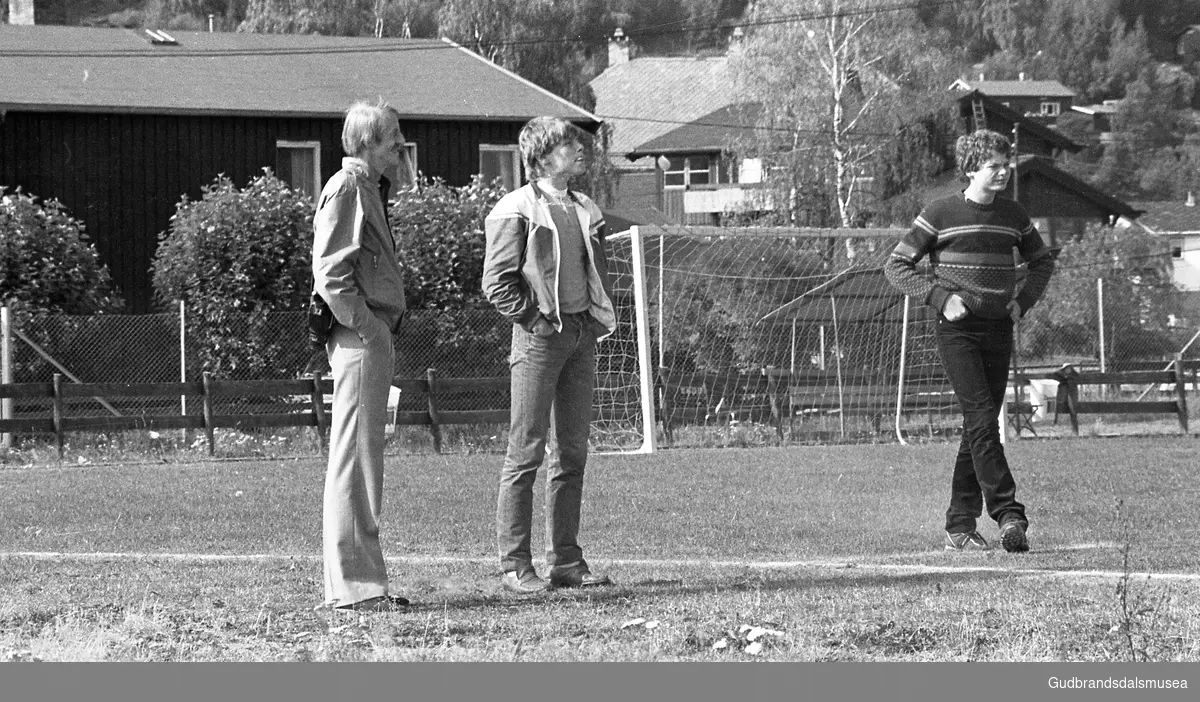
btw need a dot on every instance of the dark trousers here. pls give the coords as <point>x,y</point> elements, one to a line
<point>976,353</point>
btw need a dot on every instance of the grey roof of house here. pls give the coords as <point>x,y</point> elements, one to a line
<point>714,131</point>
<point>79,69</point>
<point>1169,217</point>
<point>647,97</point>
<point>1027,126</point>
<point>1097,109</point>
<point>1017,88</point>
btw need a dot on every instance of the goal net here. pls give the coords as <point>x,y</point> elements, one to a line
<point>763,335</point>
<point>623,400</point>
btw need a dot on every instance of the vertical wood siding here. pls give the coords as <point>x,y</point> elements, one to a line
<point>123,175</point>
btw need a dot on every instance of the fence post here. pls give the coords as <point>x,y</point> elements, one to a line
<point>58,414</point>
<point>435,420</point>
<point>208,415</point>
<point>318,404</point>
<point>6,376</point>
<point>1100,318</point>
<point>1181,392</point>
<point>187,434</point>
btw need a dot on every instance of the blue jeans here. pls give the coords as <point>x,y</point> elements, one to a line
<point>555,374</point>
<point>976,353</point>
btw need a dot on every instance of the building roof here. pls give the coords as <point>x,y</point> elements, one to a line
<point>1169,217</point>
<point>714,131</point>
<point>1028,127</point>
<point>1014,88</point>
<point>646,97</point>
<point>863,294</point>
<point>1108,107</point>
<point>80,69</point>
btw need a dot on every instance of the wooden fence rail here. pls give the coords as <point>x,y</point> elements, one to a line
<point>1069,382</point>
<point>311,411</point>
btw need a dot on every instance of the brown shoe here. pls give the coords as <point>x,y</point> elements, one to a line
<point>523,582</point>
<point>576,575</point>
<point>383,603</point>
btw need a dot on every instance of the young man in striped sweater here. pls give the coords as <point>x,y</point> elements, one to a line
<point>971,281</point>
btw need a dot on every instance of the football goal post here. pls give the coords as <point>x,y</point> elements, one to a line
<point>624,419</point>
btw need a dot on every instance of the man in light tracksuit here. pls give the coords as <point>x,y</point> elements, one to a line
<point>356,271</point>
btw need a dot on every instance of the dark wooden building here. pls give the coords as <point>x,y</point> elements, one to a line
<point>120,124</point>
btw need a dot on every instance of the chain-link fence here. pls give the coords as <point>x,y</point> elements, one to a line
<point>719,302</point>
<point>158,348</point>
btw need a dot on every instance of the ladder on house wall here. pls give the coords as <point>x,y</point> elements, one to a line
<point>980,116</point>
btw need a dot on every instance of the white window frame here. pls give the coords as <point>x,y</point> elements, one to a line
<point>1050,108</point>
<point>514,152</point>
<point>410,150</point>
<point>687,172</point>
<point>315,147</point>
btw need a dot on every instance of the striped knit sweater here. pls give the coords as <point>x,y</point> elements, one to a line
<point>970,249</point>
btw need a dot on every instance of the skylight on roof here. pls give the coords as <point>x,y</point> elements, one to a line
<point>158,36</point>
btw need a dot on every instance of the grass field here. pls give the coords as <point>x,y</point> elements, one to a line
<point>808,553</point>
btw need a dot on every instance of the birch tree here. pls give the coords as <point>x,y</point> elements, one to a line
<point>838,81</point>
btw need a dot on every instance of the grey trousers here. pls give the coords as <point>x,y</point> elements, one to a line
<point>549,373</point>
<point>362,375</point>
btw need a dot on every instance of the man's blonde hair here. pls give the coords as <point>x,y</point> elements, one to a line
<point>540,136</point>
<point>366,125</point>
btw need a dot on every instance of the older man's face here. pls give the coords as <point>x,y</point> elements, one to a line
<point>385,155</point>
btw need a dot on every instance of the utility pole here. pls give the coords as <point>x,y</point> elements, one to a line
<point>1015,180</point>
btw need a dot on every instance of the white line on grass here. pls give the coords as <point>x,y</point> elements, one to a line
<point>685,563</point>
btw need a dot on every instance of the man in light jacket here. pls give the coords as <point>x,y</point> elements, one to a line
<point>545,269</point>
<point>356,271</point>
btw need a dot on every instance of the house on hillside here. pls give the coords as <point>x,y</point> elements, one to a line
<point>1043,100</point>
<point>1101,115</point>
<point>1178,223</point>
<point>699,179</point>
<point>979,110</point>
<point>120,124</point>
<point>1187,44</point>
<point>643,98</point>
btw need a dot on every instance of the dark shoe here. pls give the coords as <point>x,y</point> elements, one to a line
<point>966,541</point>
<point>383,603</point>
<point>1012,537</point>
<point>523,582</point>
<point>576,575</point>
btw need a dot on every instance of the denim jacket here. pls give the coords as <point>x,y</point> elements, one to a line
<point>521,265</point>
<point>355,267</point>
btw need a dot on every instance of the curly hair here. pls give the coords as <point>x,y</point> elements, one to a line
<point>540,136</point>
<point>971,150</point>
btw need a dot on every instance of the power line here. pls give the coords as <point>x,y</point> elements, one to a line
<point>405,45</point>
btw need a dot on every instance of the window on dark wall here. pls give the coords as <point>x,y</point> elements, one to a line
<point>406,175</point>
<point>683,171</point>
<point>298,163</point>
<point>501,161</point>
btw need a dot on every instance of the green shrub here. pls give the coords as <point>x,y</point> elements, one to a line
<point>443,242</point>
<point>234,257</point>
<point>442,252</point>
<point>48,269</point>
<point>47,265</point>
